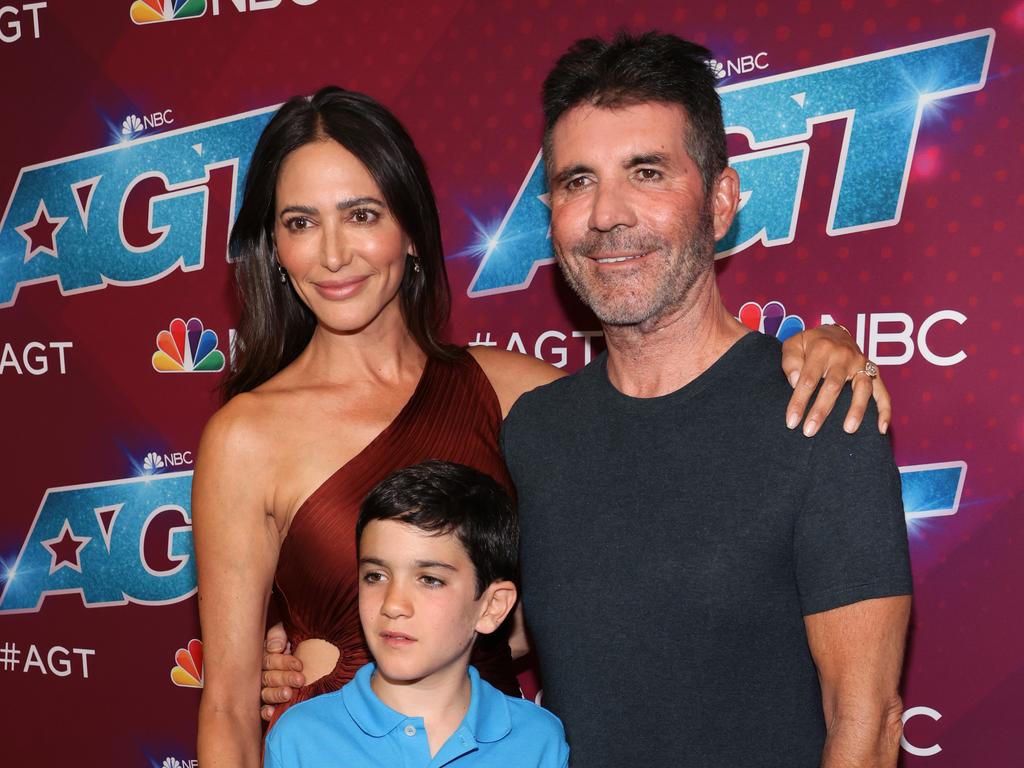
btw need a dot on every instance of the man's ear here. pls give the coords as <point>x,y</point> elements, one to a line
<point>496,603</point>
<point>725,201</point>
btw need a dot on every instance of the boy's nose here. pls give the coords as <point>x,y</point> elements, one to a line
<point>396,603</point>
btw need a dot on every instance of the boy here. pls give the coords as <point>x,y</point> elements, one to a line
<point>437,546</point>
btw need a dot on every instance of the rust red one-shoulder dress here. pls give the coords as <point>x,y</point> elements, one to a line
<point>453,415</point>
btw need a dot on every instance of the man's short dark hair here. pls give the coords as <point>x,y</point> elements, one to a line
<point>634,69</point>
<point>442,497</point>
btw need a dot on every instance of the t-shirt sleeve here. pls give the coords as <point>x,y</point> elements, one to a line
<point>850,536</point>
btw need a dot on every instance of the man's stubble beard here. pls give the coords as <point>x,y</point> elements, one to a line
<point>671,287</point>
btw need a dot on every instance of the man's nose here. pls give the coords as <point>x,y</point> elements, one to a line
<point>612,206</point>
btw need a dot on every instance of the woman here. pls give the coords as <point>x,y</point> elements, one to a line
<point>341,377</point>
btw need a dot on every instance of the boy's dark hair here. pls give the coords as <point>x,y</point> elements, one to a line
<point>441,497</point>
<point>634,69</point>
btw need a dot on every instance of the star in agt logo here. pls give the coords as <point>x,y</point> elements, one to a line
<point>771,319</point>
<point>154,11</point>
<point>188,665</point>
<point>187,348</point>
<point>112,543</point>
<point>883,98</point>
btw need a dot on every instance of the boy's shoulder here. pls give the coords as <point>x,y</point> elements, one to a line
<point>500,714</point>
<point>304,714</point>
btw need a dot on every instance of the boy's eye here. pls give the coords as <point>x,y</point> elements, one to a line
<point>431,581</point>
<point>373,577</point>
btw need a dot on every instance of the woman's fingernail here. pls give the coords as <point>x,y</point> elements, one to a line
<point>885,427</point>
<point>794,377</point>
<point>810,427</point>
<point>274,646</point>
<point>850,426</point>
<point>792,420</point>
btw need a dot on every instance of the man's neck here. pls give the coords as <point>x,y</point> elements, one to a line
<point>665,354</point>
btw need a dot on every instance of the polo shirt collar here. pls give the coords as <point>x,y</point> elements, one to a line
<point>488,718</point>
<point>373,716</point>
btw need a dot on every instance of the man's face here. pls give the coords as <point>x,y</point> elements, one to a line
<point>630,222</point>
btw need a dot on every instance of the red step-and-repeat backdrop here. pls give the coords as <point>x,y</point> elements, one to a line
<point>879,146</point>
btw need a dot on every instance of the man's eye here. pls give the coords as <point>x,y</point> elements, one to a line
<point>576,183</point>
<point>649,174</point>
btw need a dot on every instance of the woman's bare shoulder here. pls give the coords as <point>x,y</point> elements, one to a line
<point>245,426</point>
<point>512,374</point>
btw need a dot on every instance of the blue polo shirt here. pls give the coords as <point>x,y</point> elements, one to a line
<point>352,728</point>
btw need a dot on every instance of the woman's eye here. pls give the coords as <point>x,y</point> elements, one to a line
<point>364,216</point>
<point>298,223</point>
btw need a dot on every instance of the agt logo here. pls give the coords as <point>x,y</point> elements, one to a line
<point>154,11</point>
<point>10,28</point>
<point>112,543</point>
<point>133,125</point>
<point>187,348</point>
<point>188,665</point>
<point>882,97</point>
<point>127,214</point>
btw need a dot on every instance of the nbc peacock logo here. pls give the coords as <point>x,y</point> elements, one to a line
<point>131,125</point>
<point>152,11</point>
<point>771,319</point>
<point>188,665</point>
<point>187,347</point>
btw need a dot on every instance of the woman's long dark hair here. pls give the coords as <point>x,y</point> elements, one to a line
<point>275,325</point>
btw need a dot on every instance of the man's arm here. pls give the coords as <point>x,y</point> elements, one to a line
<point>858,650</point>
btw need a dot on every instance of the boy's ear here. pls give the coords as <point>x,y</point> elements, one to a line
<point>496,602</point>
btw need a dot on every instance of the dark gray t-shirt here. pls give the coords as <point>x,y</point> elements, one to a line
<point>671,547</point>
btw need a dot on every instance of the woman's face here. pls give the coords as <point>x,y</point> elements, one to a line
<point>343,250</point>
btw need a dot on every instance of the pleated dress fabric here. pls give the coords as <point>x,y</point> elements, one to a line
<point>453,415</point>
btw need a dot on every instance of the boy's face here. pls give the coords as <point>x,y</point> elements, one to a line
<point>417,601</point>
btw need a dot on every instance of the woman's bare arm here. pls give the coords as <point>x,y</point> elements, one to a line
<point>236,544</point>
<point>511,374</point>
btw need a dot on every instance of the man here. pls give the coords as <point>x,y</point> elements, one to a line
<point>757,619</point>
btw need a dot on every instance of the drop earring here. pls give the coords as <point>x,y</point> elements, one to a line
<point>284,275</point>
<point>416,267</point>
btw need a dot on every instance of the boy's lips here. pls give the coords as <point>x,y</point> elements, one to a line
<point>397,639</point>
